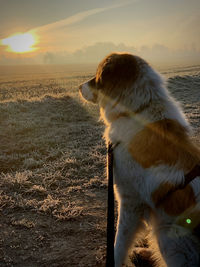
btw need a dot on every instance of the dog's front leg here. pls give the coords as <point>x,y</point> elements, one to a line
<point>128,223</point>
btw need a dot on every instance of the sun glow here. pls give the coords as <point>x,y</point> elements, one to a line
<point>20,42</point>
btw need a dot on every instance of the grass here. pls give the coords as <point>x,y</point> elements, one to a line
<point>52,163</point>
<point>52,174</point>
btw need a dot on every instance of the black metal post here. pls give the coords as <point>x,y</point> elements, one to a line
<point>110,262</point>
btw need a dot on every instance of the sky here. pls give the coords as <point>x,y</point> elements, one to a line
<point>164,32</point>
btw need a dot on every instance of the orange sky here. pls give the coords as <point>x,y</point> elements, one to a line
<point>68,31</point>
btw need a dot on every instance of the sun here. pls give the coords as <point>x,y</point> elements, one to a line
<point>20,42</point>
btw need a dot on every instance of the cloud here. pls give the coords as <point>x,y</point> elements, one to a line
<point>158,55</point>
<point>50,36</point>
<point>162,56</point>
<point>95,53</point>
<point>79,17</point>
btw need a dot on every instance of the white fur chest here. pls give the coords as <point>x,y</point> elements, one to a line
<point>123,130</point>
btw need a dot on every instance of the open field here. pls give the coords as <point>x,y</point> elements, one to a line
<point>52,163</point>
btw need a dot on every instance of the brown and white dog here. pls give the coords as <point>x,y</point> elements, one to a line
<point>153,155</point>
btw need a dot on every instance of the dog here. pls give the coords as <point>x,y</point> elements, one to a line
<point>153,153</point>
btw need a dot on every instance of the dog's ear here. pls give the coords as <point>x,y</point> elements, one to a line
<point>116,73</point>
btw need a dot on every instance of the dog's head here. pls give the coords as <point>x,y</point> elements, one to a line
<point>122,78</point>
<point>115,73</point>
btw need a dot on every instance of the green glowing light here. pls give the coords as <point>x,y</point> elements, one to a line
<point>189,221</point>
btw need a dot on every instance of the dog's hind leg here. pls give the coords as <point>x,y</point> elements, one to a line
<point>178,250</point>
<point>128,224</point>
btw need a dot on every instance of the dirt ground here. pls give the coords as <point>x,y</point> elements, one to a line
<point>53,187</point>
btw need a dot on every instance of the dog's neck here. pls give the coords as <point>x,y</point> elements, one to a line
<point>123,122</point>
<point>112,110</point>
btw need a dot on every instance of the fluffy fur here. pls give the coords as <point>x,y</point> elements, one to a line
<point>153,155</point>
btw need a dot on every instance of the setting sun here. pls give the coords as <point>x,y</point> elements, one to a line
<point>20,42</point>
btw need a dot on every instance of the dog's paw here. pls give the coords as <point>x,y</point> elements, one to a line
<point>142,257</point>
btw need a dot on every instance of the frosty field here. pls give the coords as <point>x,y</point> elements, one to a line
<point>52,162</point>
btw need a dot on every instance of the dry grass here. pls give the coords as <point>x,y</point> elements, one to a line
<point>53,185</point>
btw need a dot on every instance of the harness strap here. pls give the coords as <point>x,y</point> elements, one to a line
<point>195,172</point>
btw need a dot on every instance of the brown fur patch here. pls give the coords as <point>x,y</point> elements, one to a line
<point>159,194</point>
<point>177,202</point>
<point>115,73</point>
<point>164,142</point>
<point>115,116</point>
